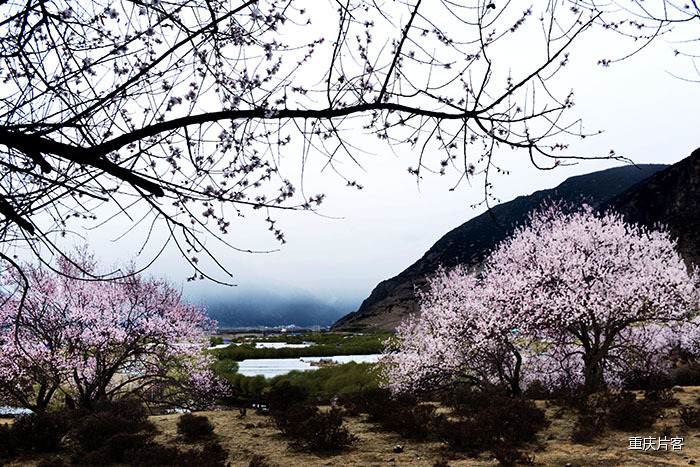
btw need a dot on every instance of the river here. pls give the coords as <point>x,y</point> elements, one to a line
<point>271,367</point>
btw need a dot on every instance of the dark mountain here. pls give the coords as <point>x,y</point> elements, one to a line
<point>269,309</point>
<point>670,198</point>
<point>392,299</point>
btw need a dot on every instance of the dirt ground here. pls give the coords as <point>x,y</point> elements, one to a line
<point>375,448</point>
<point>255,434</point>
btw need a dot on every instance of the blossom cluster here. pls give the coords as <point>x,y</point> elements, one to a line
<point>71,334</point>
<point>572,298</point>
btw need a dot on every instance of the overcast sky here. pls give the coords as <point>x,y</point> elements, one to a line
<point>358,238</point>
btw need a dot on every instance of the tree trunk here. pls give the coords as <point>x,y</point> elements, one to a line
<point>593,375</point>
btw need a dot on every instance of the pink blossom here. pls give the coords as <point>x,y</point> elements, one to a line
<point>97,339</point>
<point>569,299</point>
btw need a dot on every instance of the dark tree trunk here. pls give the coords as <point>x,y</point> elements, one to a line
<point>593,375</point>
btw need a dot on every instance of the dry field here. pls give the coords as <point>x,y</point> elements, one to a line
<point>255,434</point>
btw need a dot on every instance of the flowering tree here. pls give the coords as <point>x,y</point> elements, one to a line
<point>585,280</point>
<point>456,337</point>
<point>190,109</point>
<point>577,298</point>
<point>94,340</point>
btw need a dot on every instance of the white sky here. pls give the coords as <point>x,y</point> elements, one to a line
<point>374,234</point>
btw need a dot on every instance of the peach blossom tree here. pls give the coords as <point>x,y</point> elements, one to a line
<point>570,298</point>
<point>94,339</point>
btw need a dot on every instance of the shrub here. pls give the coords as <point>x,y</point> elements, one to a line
<point>465,400</point>
<point>537,390</point>
<point>576,398</point>
<point>8,443</point>
<point>646,379</point>
<point>212,455</point>
<point>687,376</point>
<point>323,432</point>
<point>379,404</point>
<point>662,398</point>
<point>93,430</point>
<point>627,413</point>
<point>128,407</point>
<point>114,449</point>
<point>464,436</point>
<point>53,461</point>
<point>258,460</point>
<point>515,421</point>
<point>194,426</point>
<point>286,395</point>
<point>401,414</point>
<point>497,420</point>
<point>326,383</point>
<point>290,421</point>
<point>41,432</point>
<point>417,422</point>
<point>507,455</point>
<point>141,451</point>
<point>587,428</point>
<point>312,430</point>
<point>690,416</point>
<point>155,455</point>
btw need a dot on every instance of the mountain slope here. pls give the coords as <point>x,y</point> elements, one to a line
<point>671,198</point>
<point>393,299</point>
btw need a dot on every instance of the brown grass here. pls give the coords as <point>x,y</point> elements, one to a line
<point>373,448</point>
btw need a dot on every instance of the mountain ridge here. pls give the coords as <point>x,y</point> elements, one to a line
<point>469,243</point>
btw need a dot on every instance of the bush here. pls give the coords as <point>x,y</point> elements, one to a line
<point>466,400</point>
<point>8,443</point>
<point>662,398</point>
<point>627,413</point>
<point>326,383</point>
<point>114,449</point>
<point>514,421</point>
<point>286,395</point>
<point>507,455</point>
<point>290,421</point>
<point>417,422</point>
<point>128,407</point>
<point>94,430</point>
<point>155,455</point>
<point>587,428</point>
<point>401,414</point>
<point>576,398</point>
<point>323,432</point>
<point>194,426</point>
<point>312,430</point>
<point>690,416</point>
<point>646,380</point>
<point>41,432</point>
<point>687,376</point>
<point>376,402</point>
<point>537,391</point>
<point>464,436</point>
<point>258,460</point>
<point>496,420</point>
<point>212,455</point>
<point>53,461</point>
